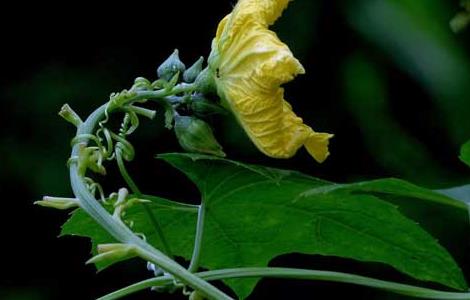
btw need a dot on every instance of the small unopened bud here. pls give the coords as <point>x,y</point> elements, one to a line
<point>191,73</point>
<point>195,135</point>
<point>171,66</point>
<point>205,82</point>
<point>58,203</point>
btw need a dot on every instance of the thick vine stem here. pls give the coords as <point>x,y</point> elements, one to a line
<point>398,288</point>
<point>118,230</point>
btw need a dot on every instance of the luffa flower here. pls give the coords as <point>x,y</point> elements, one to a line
<point>249,64</point>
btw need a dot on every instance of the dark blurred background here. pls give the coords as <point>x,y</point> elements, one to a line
<point>388,78</point>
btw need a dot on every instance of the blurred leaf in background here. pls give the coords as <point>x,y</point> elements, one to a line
<point>462,18</point>
<point>366,96</point>
<point>415,36</point>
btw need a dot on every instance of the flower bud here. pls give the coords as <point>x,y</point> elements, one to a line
<point>205,82</point>
<point>190,74</point>
<point>195,135</point>
<point>171,66</point>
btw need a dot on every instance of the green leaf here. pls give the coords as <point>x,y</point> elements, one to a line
<point>438,212</point>
<point>81,224</point>
<point>397,187</point>
<point>180,234</point>
<point>256,213</point>
<point>465,153</point>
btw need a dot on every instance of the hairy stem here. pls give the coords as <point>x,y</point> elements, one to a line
<point>399,288</point>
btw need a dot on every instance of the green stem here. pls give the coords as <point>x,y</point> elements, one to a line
<point>399,288</point>
<point>142,285</point>
<point>194,265</point>
<point>157,95</point>
<point>125,175</point>
<point>130,182</point>
<point>118,230</point>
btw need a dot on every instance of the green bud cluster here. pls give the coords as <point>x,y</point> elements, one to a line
<point>193,134</point>
<point>173,67</point>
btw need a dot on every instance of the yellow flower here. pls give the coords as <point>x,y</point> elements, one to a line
<point>249,64</point>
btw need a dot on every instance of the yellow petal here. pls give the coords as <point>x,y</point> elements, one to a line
<point>245,14</point>
<point>250,64</point>
<point>317,145</point>
<point>265,11</point>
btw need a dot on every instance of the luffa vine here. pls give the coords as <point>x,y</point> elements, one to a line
<point>246,67</point>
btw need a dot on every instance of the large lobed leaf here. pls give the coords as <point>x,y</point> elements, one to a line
<point>256,213</point>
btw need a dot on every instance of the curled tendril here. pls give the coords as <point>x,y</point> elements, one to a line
<point>129,118</point>
<point>85,137</point>
<point>186,292</point>
<point>108,151</point>
<point>118,99</point>
<point>106,146</point>
<point>94,187</point>
<point>73,159</point>
<point>107,143</point>
<point>123,147</point>
<point>179,285</point>
<point>141,235</point>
